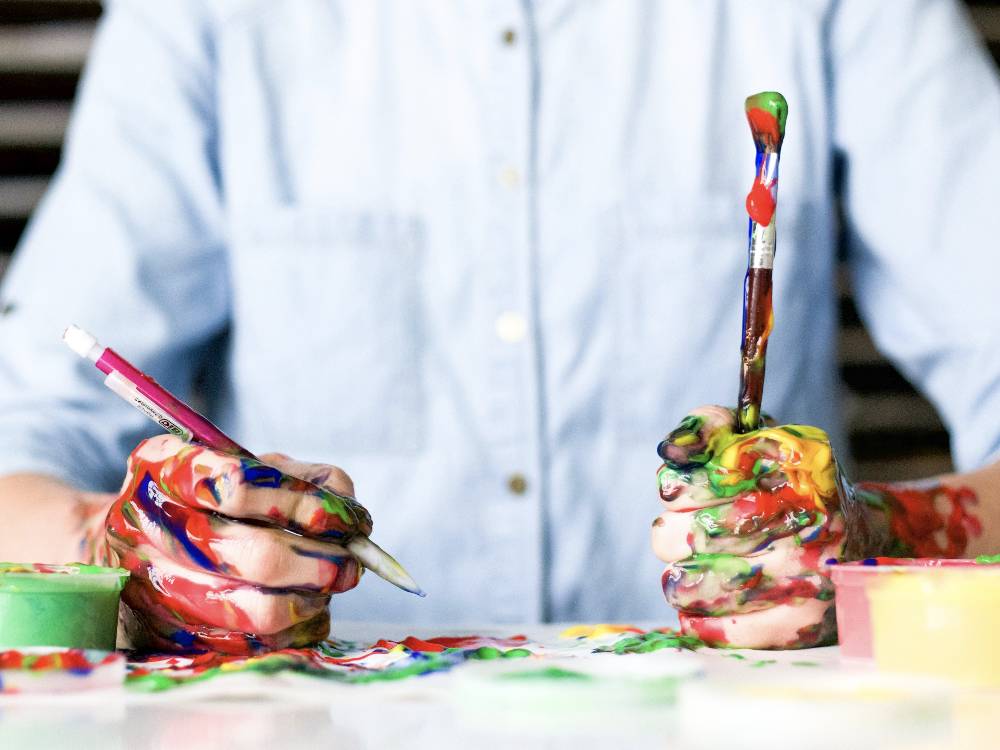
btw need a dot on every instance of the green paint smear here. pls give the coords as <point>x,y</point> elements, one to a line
<point>654,641</point>
<point>806,664</point>
<point>336,505</point>
<point>549,673</point>
<point>728,566</point>
<point>772,102</point>
<point>157,681</point>
<point>487,653</point>
<point>741,657</point>
<point>160,681</point>
<point>987,559</point>
<point>764,663</point>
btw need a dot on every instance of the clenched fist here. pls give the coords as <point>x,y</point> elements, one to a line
<point>231,554</point>
<point>748,522</point>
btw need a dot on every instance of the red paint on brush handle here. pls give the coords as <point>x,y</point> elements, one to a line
<point>760,203</point>
<point>764,126</point>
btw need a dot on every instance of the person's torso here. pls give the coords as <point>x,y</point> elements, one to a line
<point>497,250</point>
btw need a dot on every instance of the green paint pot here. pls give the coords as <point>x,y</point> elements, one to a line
<point>74,606</point>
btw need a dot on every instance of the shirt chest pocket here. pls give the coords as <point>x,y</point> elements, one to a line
<point>680,306</point>
<point>327,323</point>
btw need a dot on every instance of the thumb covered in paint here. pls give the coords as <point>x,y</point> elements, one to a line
<point>688,444</point>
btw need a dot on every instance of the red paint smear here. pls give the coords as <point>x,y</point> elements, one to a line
<point>764,126</point>
<point>760,203</point>
<point>709,629</point>
<point>414,644</point>
<point>811,552</point>
<point>799,588</point>
<point>757,510</point>
<point>471,640</point>
<point>59,660</point>
<point>914,519</point>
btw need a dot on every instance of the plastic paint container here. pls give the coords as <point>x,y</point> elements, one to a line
<point>941,623</point>
<point>74,606</point>
<point>854,581</point>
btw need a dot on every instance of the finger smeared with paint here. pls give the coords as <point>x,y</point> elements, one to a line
<point>246,489</point>
<point>242,553</point>
<point>231,554</point>
<point>812,622</point>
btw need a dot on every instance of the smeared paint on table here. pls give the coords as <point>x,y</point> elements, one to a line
<point>386,660</point>
<point>342,661</point>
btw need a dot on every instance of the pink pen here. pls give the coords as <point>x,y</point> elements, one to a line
<point>176,417</point>
<point>149,397</point>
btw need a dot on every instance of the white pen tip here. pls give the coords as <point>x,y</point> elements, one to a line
<point>81,342</point>
<point>382,564</point>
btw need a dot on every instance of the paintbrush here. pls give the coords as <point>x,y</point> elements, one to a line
<point>766,112</point>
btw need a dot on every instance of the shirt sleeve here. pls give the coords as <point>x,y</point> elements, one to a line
<point>916,116</point>
<point>127,244</point>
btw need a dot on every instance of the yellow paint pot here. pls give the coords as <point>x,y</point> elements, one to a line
<point>939,622</point>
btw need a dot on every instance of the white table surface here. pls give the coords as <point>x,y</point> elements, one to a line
<point>806,700</point>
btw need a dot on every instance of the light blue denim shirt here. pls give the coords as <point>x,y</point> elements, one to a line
<point>452,246</point>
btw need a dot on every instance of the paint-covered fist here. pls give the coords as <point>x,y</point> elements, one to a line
<point>229,554</point>
<point>749,521</point>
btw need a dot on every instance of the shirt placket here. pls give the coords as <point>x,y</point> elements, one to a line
<point>513,513</point>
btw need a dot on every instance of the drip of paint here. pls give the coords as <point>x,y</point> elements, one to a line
<point>760,203</point>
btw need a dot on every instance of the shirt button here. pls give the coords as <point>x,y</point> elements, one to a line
<point>517,484</point>
<point>510,177</point>
<point>509,37</point>
<point>511,327</point>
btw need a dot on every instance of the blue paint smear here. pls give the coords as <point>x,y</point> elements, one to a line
<point>335,559</point>
<point>213,490</point>
<point>261,476</point>
<point>157,507</point>
<point>182,638</point>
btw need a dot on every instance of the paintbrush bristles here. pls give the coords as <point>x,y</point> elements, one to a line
<point>766,112</point>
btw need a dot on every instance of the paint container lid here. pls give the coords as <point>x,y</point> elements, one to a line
<point>876,565</point>
<point>44,578</point>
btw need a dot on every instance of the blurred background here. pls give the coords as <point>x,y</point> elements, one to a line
<point>894,432</point>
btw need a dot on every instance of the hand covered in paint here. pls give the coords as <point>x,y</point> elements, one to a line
<point>749,521</point>
<point>230,554</point>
